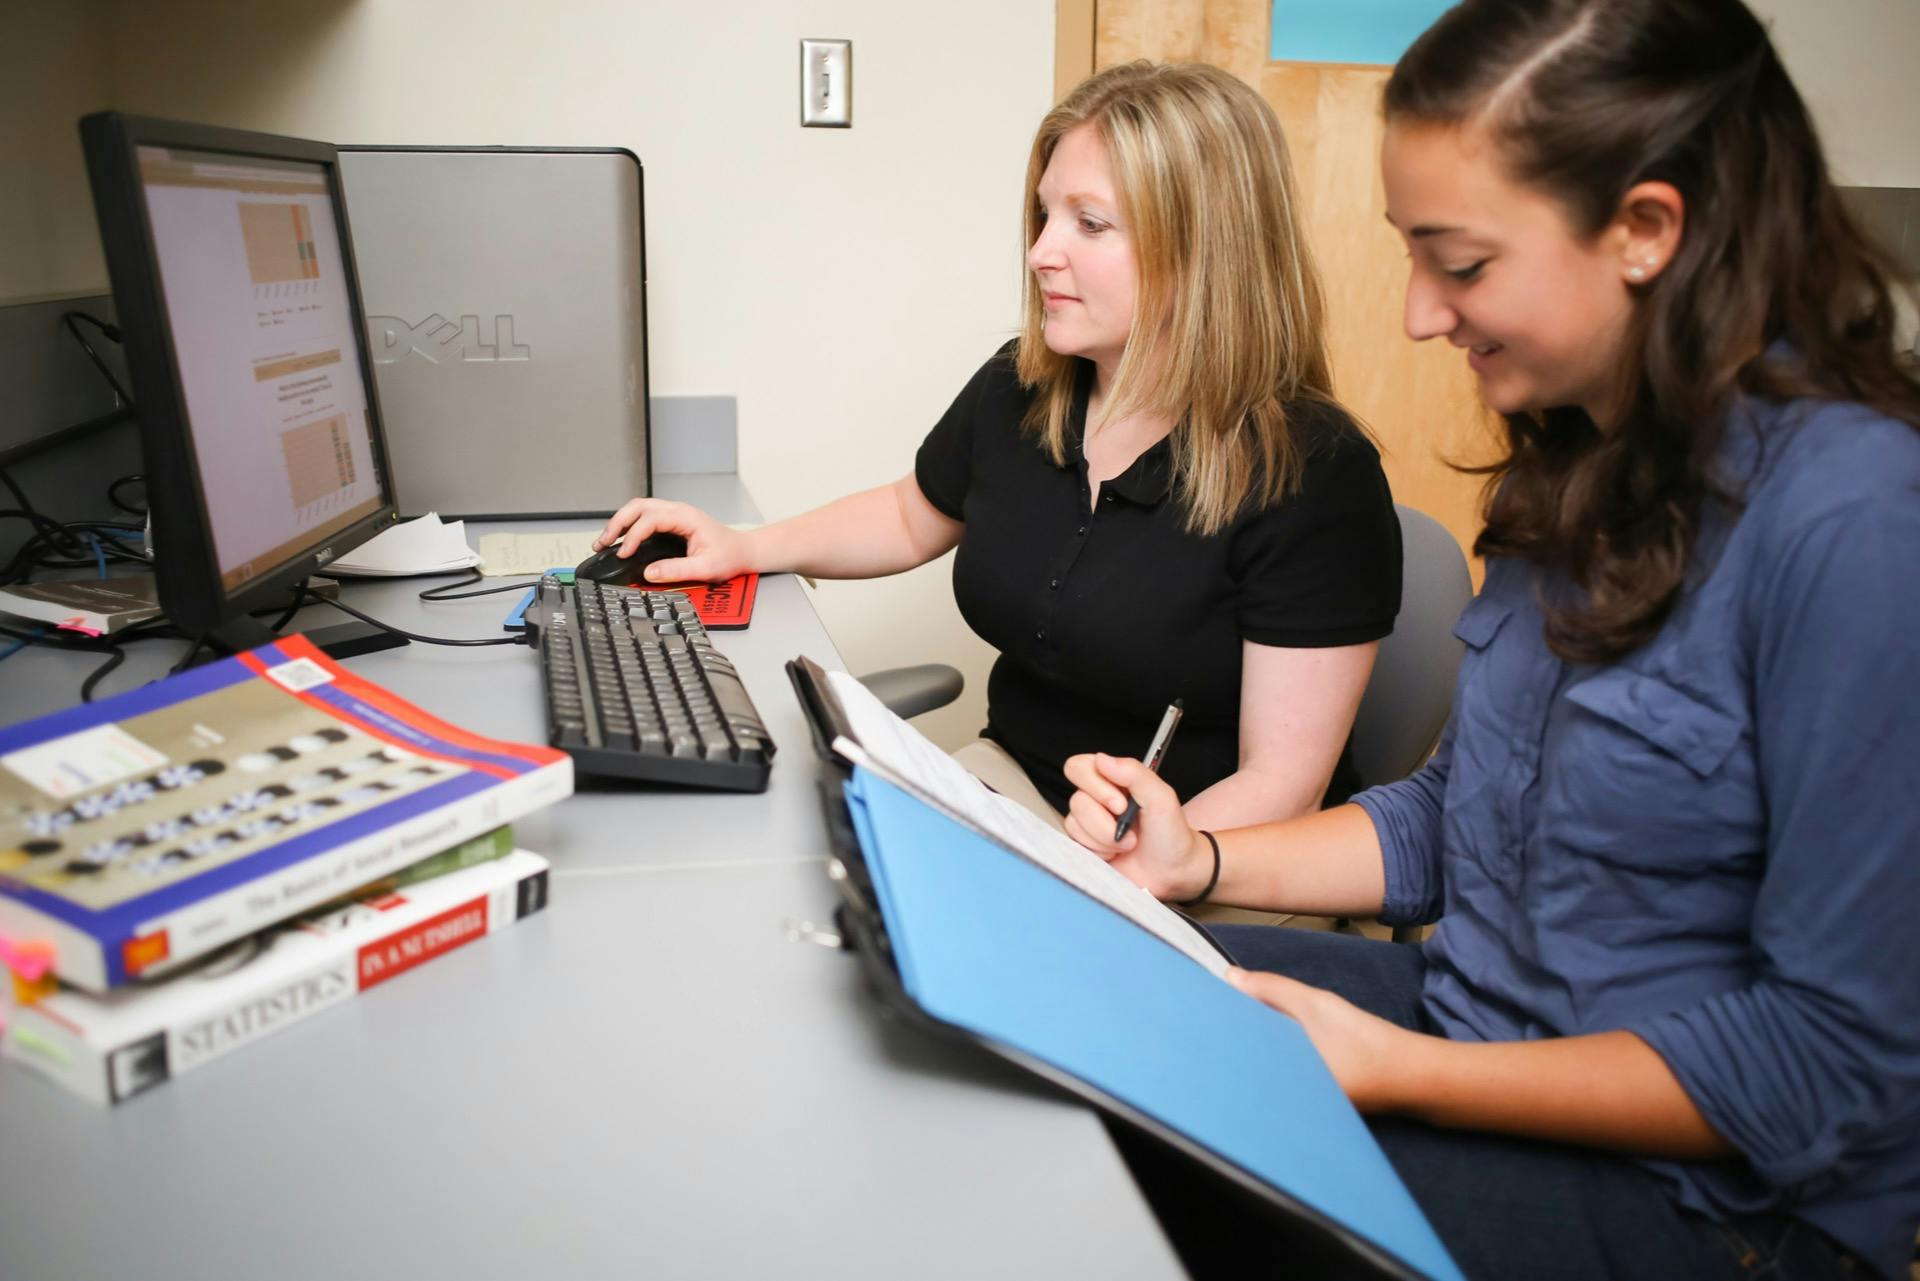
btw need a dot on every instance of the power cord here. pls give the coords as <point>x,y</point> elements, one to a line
<point>56,544</point>
<point>112,647</point>
<point>113,494</point>
<point>445,590</point>
<point>315,598</point>
<point>72,320</point>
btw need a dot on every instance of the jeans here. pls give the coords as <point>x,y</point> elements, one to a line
<point>1504,1207</point>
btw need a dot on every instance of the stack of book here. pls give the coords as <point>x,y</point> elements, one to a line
<point>218,855</point>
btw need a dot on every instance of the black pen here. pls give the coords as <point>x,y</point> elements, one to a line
<point>1156,752</point>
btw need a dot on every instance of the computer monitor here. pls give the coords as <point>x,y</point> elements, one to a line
<point>234,278</point>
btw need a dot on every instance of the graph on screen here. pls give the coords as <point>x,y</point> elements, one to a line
<point>319,457</point>
<point>279,245</point>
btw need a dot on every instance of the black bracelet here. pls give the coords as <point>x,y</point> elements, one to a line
<point>1213,880</point>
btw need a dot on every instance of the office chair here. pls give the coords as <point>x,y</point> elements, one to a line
<point>1411,689</point>
<point>1410,692</point>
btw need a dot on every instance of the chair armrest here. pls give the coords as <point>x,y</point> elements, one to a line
<point>909,691</point>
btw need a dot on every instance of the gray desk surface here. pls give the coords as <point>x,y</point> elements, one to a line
<point>651,1078</point>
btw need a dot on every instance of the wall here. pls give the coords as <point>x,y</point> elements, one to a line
<point>1853,61</point>
<point>53,70</point>
<point>842,284</point>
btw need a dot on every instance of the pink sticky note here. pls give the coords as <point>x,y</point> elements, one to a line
<point>75,625</point>
<point>30,960</point>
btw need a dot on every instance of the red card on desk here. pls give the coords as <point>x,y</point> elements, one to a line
<point>724,606</point>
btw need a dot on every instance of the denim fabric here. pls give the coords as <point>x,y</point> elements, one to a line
<point>1710,842</point>
<point>1511,1208</point>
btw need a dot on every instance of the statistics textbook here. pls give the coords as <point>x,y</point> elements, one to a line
<point>111,1048</point>
<point>150,828</point>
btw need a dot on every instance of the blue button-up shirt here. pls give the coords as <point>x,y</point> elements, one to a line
<point>1713,843</point>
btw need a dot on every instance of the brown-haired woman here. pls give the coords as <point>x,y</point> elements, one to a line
<point>1153,492</point>
<point>1668,1023</point>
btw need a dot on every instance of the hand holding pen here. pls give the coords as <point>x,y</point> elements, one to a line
<point>1156,752</point>
<point>1161,853</point>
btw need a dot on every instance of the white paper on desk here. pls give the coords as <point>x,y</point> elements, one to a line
<point>420,546</point>
<point>505,555</point>
<point>902,755</point>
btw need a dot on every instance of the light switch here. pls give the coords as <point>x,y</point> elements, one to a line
<point>826,83</point>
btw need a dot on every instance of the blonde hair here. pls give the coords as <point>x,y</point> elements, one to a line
<point>1227,322</point>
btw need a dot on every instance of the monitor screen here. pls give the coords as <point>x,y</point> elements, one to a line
<point>254,285</point>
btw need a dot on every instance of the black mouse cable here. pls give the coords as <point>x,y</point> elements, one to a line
<point>445,590</point>
<point>111,332</point>
<point>314,598</point>
<point>112,646</point>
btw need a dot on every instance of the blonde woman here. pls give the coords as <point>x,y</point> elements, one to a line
<point>1152,490</point>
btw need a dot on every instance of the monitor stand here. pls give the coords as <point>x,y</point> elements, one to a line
<point>139,600</point>
<point>347,640</point>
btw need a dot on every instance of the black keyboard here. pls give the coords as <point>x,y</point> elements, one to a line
<point>635,689</point>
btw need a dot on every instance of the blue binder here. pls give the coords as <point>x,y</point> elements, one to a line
<point>985,942</point>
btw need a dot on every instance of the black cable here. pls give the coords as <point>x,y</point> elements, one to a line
<point>112,647</point>
<point>58,638</point>
<point>115,656</point>
<point>62,544</point>
<point>19,495</point>
<point>42,637</point>
<point>113,494</point>
<point>45,530</point>
<point>445,590</point>
<point>71,320</point>
<point>316,598</point>
<point>293,607</point>
<point>186,659</point>
<point>47,551</point>
<point>49,537</point>
<point>111,332</point>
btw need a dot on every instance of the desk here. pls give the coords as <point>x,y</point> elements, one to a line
<point>649,1079</point>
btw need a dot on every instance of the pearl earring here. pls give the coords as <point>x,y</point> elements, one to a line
<point>1636,274</point>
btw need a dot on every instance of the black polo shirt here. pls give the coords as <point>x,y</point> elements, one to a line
<point>1104,617</point>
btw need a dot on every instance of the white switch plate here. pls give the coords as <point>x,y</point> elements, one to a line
<point>826,83</point>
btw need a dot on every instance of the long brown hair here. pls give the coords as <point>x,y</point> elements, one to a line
<point>1228,323</point>
<point>1773,291</point>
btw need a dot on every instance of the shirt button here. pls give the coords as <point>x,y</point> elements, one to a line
<point>1053,585</point>
<point>1106,498</point>
<point>1040,635</point>
<point>1081,530</point>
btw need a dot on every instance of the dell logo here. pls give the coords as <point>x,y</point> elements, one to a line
<point>438,339</point>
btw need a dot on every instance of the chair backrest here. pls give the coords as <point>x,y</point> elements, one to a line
<point>1411,691</point>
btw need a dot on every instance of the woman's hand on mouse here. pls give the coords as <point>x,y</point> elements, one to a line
<point>714,552</point>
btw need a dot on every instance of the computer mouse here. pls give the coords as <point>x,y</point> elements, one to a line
<point>609,566</point>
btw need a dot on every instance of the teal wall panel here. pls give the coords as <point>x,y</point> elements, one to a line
<point>1372,31</point>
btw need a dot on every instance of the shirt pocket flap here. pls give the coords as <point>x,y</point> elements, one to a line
<point>1696,734</point>
<point>1481,621</point>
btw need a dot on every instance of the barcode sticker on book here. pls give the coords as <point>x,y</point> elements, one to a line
<point>298,674</point>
